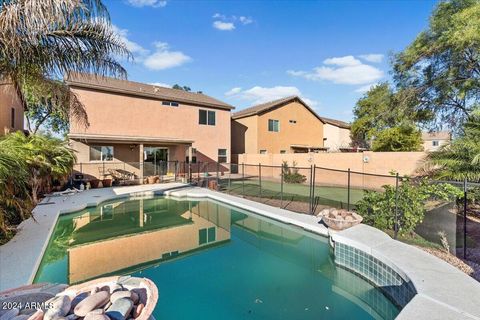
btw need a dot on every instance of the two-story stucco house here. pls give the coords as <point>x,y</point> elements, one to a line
<point>285,125</point>
<point>135,125</point>
<point>432,141</point>
<point>11,108</point>
<point>336,134</point>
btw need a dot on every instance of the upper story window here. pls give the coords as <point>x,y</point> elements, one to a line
<point>273,125</point>
<point>435,143</point>
<point>263,151</point>
<point>206,117</point>
<point>170,103</point>
<point>283,151</point>
<point>12,118</point>
<point>292,121</point>
<point>101,153</point>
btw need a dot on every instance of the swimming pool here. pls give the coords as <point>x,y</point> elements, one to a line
<point>210,261</point>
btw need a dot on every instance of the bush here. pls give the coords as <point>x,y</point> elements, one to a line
<point>290,174</point>
<point>378,208</point>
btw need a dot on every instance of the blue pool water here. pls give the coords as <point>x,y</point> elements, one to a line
<point>210,261</point>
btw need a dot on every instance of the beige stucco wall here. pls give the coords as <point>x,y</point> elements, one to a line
<point>8,100</point>
<point>115,114</point>
<point>336,137</point>
<point>245,135</point>
<point>308,130</point>
<point>428,144</point>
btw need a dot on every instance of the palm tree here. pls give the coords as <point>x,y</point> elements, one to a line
<point>460,159</point>
<point>43,40</point>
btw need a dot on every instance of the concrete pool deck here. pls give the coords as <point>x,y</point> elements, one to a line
<point>443,292</point>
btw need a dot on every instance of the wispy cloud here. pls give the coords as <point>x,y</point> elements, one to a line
<point>342,70</point>
<point>224,26</point>
<point>372,57</point>
<point>164,58</point>
<point>148,3</point>
<point>258,94</point>
<point>137,50</point>
<point>365,88</point>
<point>229,23</point>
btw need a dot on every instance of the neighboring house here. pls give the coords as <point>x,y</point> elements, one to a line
<point>11,108</point>
<point>135,124</point>
<point>336,134</point>
<point>285,125</point>
<point>432,141</point>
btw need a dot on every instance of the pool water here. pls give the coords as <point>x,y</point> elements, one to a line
<point>210,261</point>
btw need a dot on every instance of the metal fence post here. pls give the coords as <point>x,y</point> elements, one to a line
<point>310,191</point>
<point>230,178</point>
<point>313,188</point>
<point>243,179</point>
<point>260,178</point>
<point>281,187</point>
<point>396,224</point>
<point>348,191</point>
<point>175,172</point>
<point>189,172</point>
<point>218,177</point>
<point>465,192</point>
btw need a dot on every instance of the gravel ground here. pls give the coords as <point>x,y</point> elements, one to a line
<point>469,267</point>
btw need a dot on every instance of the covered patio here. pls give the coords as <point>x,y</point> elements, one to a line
<point>129,159</point>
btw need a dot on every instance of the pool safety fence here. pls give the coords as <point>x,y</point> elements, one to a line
<point>307,190</point>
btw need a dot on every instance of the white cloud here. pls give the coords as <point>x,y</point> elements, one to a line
<point>161,84</point>
<point>224,26</point>
<point>163,58</point>
<point>219,16</point>
<point>365,88</point>
<point>257,94</point>
<point>148,3</point>
<point>245,20</point>
<point>136,49</point>
<point>373,57</point>
<point>342,70</point>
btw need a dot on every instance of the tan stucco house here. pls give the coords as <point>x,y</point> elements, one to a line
<point>432,141</point>
<point>285,125</point>
<point>11,108</point>
<point>135,124</point>
<point>336,134</point>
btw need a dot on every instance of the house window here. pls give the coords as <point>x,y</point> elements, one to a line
<point>292,121</point>
<point>222,155</point>
<point>12,118</point>
<point>435,143</point>
<point>101,153</point>
<point>170,103</point>
<point>194,156</point>
<point>273,125</point>
<point>283,151</point>
<point>206,235</point>
<point>206,117</point>
<point>263,151</point>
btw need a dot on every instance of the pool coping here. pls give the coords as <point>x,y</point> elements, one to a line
<point>443,291</point>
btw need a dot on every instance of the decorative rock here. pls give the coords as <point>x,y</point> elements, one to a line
<point>98,317</point>
<point>138,310</point>
<point>120,309</point>
<point>10,314</point>
<point>116,287</point>
<point>135,297</point>
<point>37,315</point>
<point>120,294</point>
<point>21,317</point>
<point>94,290</point>
<point>92,302</point>
<point>94,314</point>
<point>79,298</point>
<point>105,288</point>
<point>28,312</point>
<point>59,305</point>
<point>109,303</point>
<point>72,316</point>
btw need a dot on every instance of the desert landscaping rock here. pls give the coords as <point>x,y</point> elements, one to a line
<point>120,294</point>
<point>21,317</point>
<point>79,298</point>
<point>37,315</point>
<point>138,310</point>
<point>115,287</point>
<point>10,314</point>
<point>135,297</point>
<point>120,309</point>
<point>59,305</point>
<point>92,302</point>
<point>72,316</point>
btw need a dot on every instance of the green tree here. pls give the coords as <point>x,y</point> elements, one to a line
<point>386,115</point>
<point>43,40</point>
<point>179,87</point>
<point>461,158</point>
<point>440,70</point>
<point>400,138</point>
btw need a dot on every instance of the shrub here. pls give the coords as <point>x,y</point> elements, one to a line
<point>378,208</point>
<point>291,174</point>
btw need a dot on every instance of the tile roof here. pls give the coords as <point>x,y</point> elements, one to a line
<point>90,81</point>
<point>438,135</point>
<point>268,106</point>
<point>337,123</point>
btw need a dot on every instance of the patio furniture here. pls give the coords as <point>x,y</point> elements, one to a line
<point>121,175</point>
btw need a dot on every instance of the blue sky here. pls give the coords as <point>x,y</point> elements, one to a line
<point>248,52</point>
